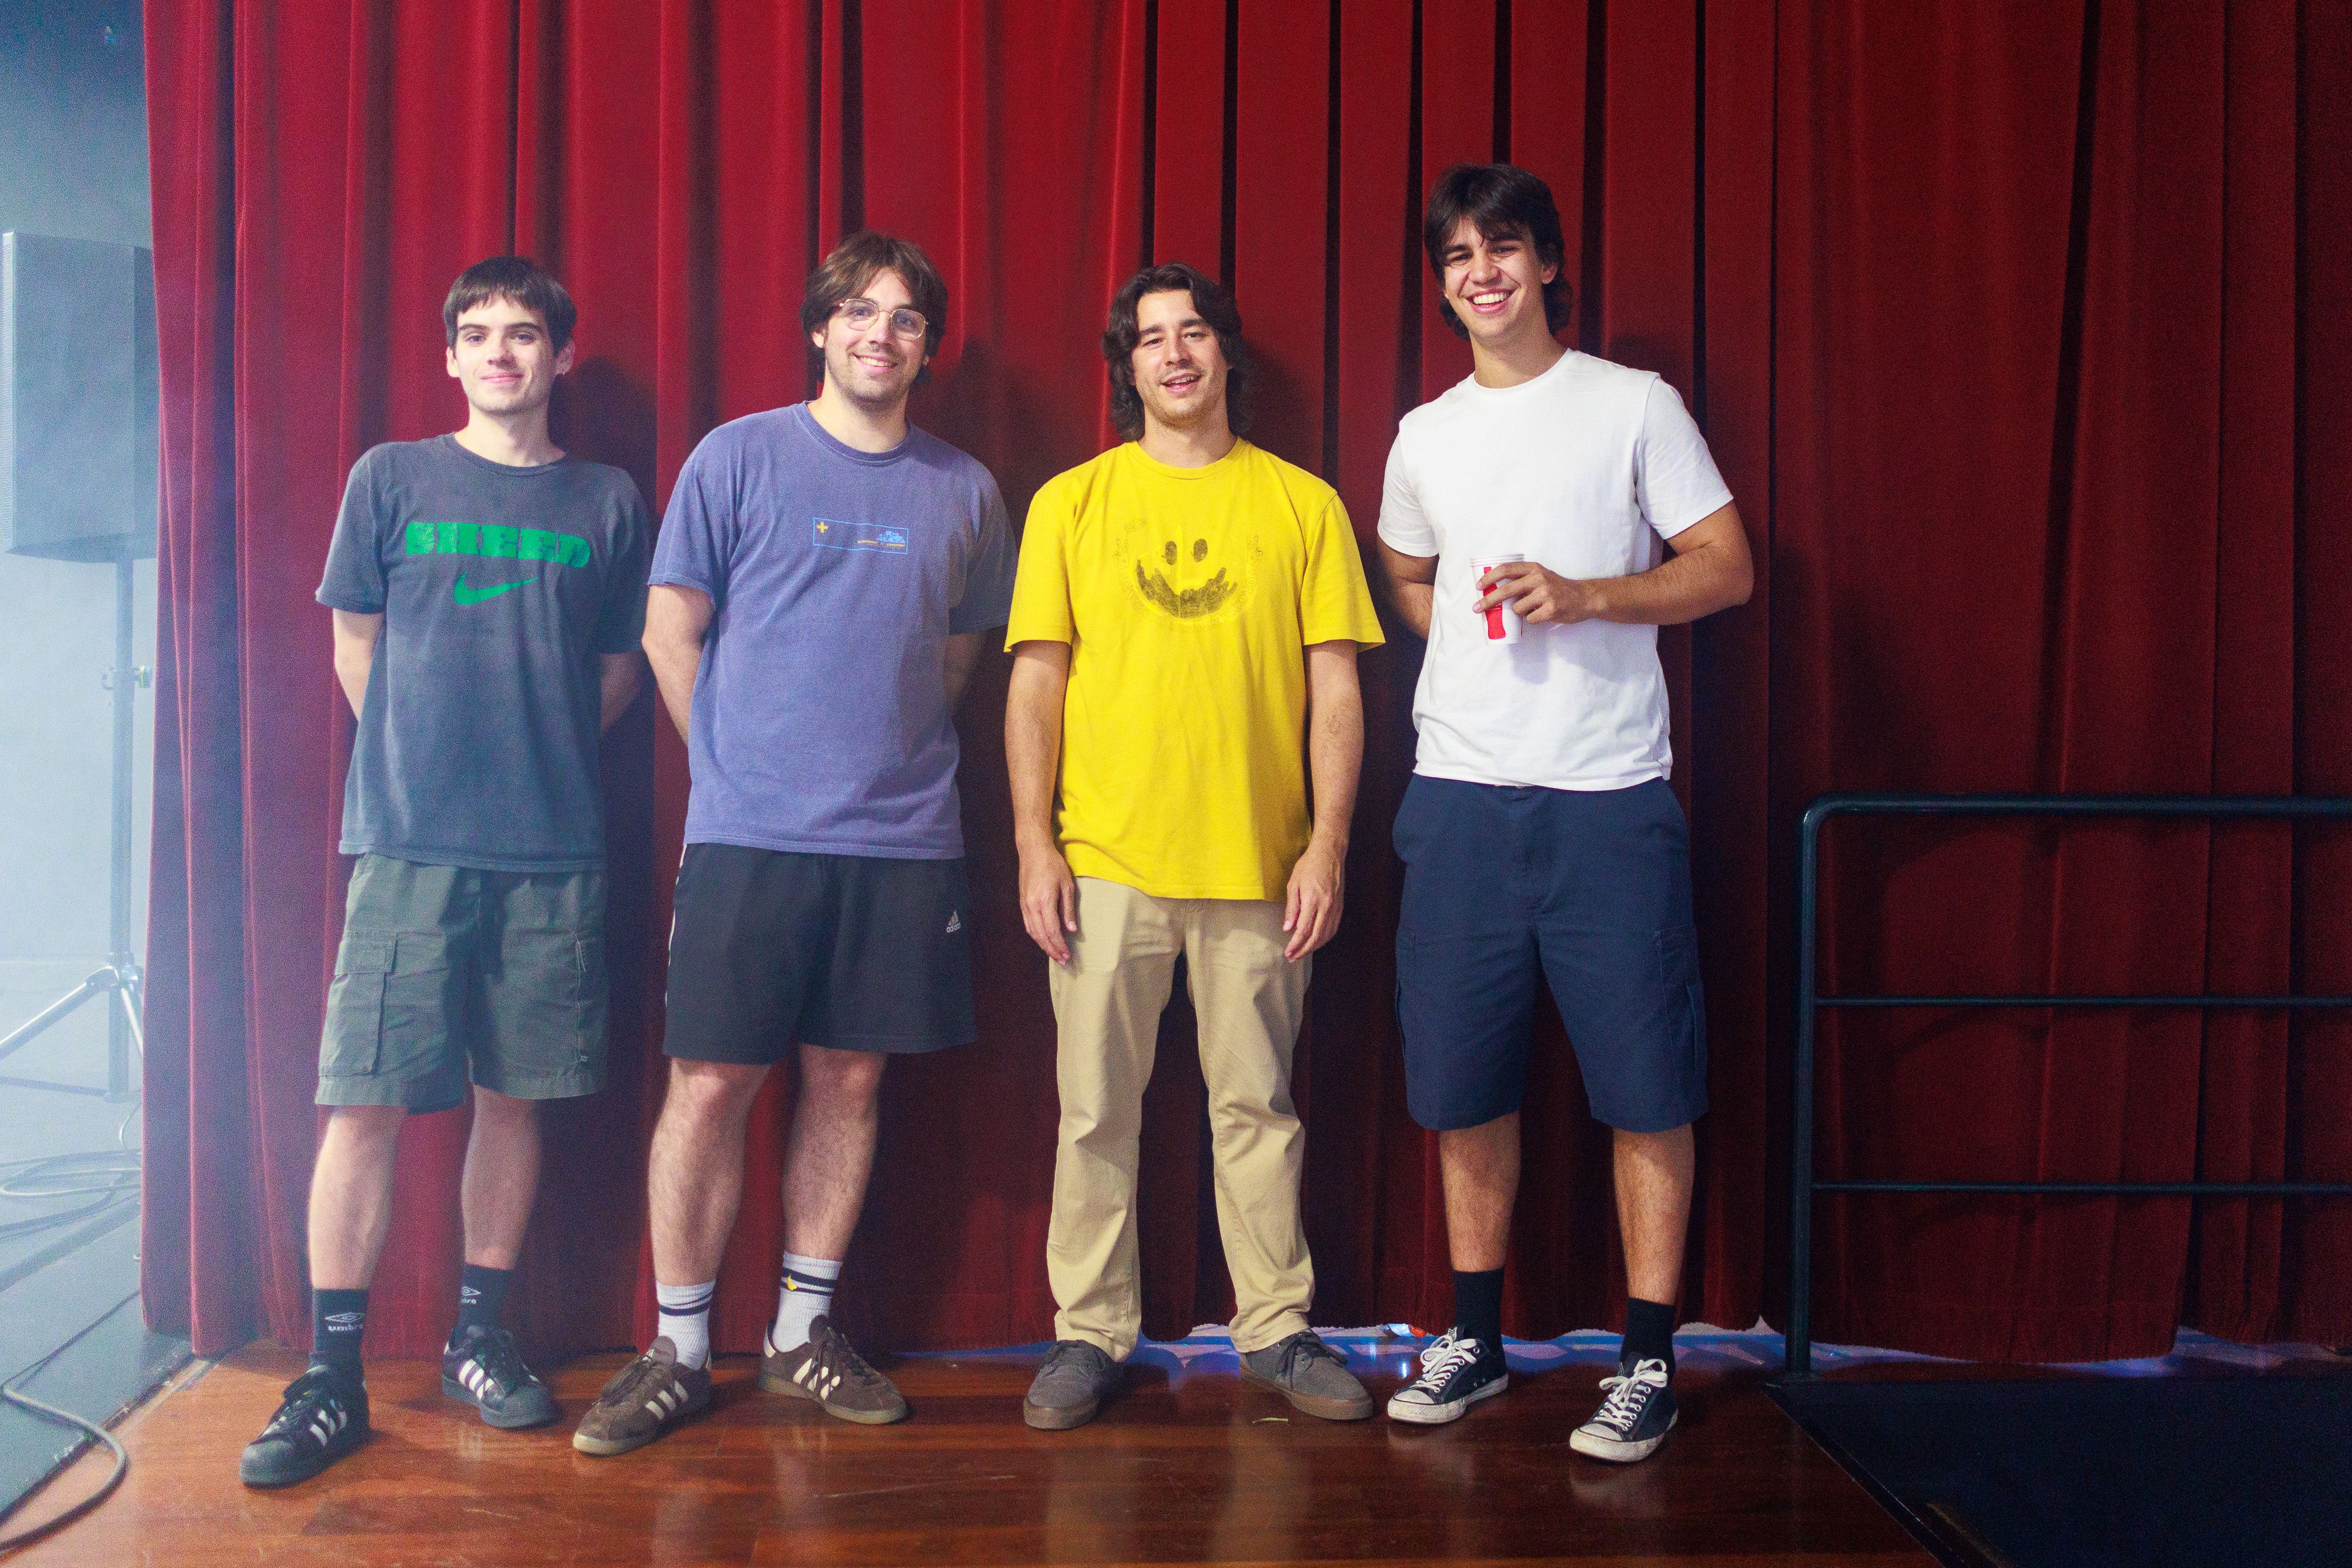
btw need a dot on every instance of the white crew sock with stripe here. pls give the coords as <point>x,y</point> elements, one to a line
<point>686,1319</point>
<point>804,1296</point>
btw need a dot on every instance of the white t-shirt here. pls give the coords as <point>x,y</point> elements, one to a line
<point>1585,470</point>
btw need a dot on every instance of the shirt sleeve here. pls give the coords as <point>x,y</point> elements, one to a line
<point>1041,588</point>
<point>700,530</point>
<point>1402,523</point>
<point>988,577</point>
<point>622,626</point>
<point>354,574</point>
<point>1335,603</point>
<point>1674,477</point>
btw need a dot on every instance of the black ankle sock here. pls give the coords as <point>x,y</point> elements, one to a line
<point>1478,1305</point>
<point>1649,1332</point>
<point>481,1297</point>
<point>337,1320</point>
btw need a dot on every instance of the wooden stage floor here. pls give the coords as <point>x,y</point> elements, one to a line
<point>1187,1467</point>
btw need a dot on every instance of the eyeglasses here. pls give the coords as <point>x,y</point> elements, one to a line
<point>861,313</point>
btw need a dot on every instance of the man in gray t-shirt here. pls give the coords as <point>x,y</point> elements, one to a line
<point>825,577</point>
<point>489,593</point>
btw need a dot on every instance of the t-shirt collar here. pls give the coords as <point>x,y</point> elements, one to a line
<point>1559,368</point>
<point>450,443</point>
<point>1205,470</point>
<point>806,419</point>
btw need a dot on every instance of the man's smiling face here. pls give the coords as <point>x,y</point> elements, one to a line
<point>873,366</point>
<point>1179,367</point>
<point>1495,283</point>
<point>504,357</point>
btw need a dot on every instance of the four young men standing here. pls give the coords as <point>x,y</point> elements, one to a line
<point>1184,735</point>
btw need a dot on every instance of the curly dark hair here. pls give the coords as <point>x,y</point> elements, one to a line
<point>1498,199</point>
<point>1215,303</point>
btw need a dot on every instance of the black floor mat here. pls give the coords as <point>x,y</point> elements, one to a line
<point>2086,1473</point>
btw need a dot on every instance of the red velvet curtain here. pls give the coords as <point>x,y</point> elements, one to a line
<point>2014,327</point>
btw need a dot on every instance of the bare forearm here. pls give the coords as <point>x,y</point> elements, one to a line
<point>962,658</point>
<point>1033,750</point>
<point>1412,580</point>
<point>356,636</point>
<point>617,678</point>
<point>1335,751</point>
<point>1685,588</point>
<point>351,674</point>
<point>1415,602</point>
<point>675,665</point>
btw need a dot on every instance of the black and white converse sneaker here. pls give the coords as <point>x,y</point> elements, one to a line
<point>1635,1416</point>
<point>323,1418</point>
<point>486,1370</point>
<point>1455,1374</point>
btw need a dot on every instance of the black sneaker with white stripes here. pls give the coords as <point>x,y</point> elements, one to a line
<point>324,1416</point>
<point>1455,1374</point>
<point>1635,1416</point>
<point>486,1370</point>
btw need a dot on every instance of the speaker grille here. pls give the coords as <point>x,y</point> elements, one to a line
<point>77,398</point>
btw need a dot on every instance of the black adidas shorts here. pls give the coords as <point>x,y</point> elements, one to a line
<point>769,950</point>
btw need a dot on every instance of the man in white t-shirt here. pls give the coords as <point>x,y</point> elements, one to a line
<point>1541,520</point>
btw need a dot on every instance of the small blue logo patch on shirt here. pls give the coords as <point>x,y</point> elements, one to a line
<point>832,533</point>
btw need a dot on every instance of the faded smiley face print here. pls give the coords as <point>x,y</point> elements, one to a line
<point>1181,580</point>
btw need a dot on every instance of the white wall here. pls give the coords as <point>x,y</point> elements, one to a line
<point>73,161</point>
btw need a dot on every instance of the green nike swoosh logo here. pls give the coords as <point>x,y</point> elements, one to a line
<point>476,595</point>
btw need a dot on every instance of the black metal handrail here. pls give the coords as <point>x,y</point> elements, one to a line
<point>1799,1360</point>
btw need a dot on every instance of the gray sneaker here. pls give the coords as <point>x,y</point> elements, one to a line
<point>1070,1387</point>
<point>1312,1375</point>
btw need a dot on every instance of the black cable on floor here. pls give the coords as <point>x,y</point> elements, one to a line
<point>68,1418</point>
<point>106,1171</point>
<point>105,1177</point>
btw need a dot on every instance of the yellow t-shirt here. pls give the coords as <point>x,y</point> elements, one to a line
<point>1188,597</point>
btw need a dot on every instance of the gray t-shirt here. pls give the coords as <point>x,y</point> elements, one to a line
<point>499,588</point>
<point>820,721</point>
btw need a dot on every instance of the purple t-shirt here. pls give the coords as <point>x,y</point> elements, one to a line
<point>820,721</point>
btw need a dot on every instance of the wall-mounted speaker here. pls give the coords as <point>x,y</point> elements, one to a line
<point>78,399</point>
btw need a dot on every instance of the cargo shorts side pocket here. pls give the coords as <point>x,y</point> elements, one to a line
<point>420,1014</point>
<point>1685,1003</point>
<point>550,1005</point>
<point>354,1031</point>
<point>591,993</point>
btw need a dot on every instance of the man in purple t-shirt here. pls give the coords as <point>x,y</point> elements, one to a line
<point>822,581</point>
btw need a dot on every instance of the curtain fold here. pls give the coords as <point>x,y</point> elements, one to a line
<point>2010,326</point>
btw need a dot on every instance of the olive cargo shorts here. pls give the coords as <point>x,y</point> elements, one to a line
<point>448,972</point>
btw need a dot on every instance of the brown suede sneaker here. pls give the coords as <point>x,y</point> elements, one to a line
<point>829,1372</point>
<point>645,1400</point>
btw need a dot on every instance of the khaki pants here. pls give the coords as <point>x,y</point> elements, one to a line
<point>1107,1003</point>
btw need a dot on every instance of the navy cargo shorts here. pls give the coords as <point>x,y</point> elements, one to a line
<point>1588,891</point>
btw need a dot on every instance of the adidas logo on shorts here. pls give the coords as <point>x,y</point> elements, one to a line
<point>955,922</point>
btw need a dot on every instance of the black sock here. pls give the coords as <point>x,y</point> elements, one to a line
<point>481,1297</point>
<point>1478,1305</point>
<point>338,1319</point>
<point>1649,1332</point>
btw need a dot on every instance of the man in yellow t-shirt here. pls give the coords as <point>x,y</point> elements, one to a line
<point>1184,627</point>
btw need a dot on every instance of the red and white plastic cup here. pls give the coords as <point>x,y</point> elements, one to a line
<point>1502,623</point>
